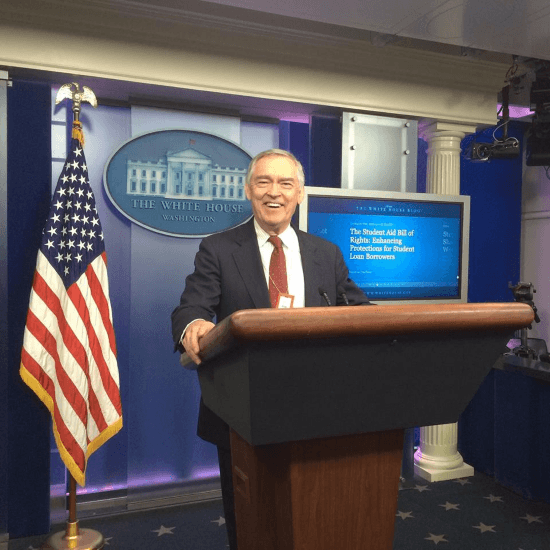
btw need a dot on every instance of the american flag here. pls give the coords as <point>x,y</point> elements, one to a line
<point>69,352</point>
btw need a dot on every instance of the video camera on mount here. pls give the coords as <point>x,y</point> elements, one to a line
<point>508,149</point>
<point>504,147</point>
<point>524,293</point>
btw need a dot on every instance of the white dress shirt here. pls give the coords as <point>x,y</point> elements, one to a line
<point>294,269</point>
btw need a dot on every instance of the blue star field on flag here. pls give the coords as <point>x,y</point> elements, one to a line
<point>73,236</point>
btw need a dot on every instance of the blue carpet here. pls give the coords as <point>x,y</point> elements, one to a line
<point>475,513</point>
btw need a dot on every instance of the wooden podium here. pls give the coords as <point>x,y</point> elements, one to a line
<point>318,398</point>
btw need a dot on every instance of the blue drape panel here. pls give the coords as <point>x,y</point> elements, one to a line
<point>495,230</point>
<point>325,152</point>
<point>294,137</point>
<point>504,430</point>
<point>29,183</point>
<point>522,434</point>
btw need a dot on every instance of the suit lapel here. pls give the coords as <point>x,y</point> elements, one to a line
<point>312,268</point>
<point>249,263</point>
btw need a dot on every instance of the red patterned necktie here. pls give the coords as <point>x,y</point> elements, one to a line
<point>277,271</point>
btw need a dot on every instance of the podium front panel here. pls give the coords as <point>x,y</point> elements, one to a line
<point>273,392</point>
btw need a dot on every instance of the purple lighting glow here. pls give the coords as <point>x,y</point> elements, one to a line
<point>205,473</point>
<point>156,479</point>
<point>100,488</point>
<point>516,111</point>
<point>294,117</point>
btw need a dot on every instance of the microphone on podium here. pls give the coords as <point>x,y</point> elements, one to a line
<point>324,294</point>
<point>342,293</point>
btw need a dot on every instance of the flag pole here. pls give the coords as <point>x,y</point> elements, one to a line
<point>75,538</point>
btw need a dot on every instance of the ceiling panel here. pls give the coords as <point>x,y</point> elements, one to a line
<point>381,16</point>
<point>517,27</point>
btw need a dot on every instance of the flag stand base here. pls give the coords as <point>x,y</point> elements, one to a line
<point>74,538</point>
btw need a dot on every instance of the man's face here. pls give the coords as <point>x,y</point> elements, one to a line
<point>274,192</point>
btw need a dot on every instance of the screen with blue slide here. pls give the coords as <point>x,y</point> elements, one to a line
<point>398,246</point>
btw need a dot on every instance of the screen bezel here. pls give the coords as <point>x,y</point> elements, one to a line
<point>463,200</point>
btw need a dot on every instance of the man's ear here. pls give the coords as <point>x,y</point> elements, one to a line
<point>301,194</point>
<point>247,190</point>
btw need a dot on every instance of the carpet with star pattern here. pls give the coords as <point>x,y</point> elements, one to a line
<point>469,514</point>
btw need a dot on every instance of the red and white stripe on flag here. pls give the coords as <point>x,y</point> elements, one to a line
<point>69,351</point>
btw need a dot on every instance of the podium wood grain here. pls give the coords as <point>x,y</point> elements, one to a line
<point>323,494</point>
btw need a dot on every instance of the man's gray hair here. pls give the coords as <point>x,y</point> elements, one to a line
<point>276,153</point>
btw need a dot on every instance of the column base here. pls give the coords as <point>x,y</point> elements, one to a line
<point>432,474</point>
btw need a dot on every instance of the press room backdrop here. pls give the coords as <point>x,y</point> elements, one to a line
<point>147,273</point>
<point>147,270</point>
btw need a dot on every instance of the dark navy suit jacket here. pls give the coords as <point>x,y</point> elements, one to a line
<point>229,276</point>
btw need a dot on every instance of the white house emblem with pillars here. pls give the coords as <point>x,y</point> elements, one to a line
<point>184,175</point>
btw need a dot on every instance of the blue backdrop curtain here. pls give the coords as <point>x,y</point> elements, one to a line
<point>29,184</point>
<point>504,430</point>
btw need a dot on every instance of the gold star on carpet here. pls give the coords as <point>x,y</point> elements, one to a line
<point>220,521</point>
<point>164,531</point>
<point>463,481</point>
<point>449,506</point>
<point>404,515</point>
<point>436,539</point>
<point>493,498</point>
<point>532,519</point>
<point>484,528</point>
<point>421,488</point>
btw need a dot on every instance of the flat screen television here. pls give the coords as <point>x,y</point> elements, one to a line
<point>399,247</point>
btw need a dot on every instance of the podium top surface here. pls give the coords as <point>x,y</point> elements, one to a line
<point>255,325</point>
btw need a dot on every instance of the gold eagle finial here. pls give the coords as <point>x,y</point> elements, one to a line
<point>78,95</point>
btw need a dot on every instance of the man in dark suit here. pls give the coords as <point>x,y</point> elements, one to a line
<point>232,272</point>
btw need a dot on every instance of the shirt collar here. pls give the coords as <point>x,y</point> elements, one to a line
<point>288,236</point>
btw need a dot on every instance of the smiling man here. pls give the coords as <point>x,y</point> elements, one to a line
<point>263,263</point>
<point>275,187</point>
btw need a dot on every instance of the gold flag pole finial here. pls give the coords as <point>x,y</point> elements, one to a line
<point>77,96</point>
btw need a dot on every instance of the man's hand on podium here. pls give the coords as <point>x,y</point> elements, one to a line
<point>194,332</point>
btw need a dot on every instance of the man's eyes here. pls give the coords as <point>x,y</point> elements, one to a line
<point>283,184</point>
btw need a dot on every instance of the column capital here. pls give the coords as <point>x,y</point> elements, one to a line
<point>428,127</point>
<point>443,169</point>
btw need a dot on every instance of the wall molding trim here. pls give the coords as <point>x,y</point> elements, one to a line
<point>128,40</point>
<point>542,215</point>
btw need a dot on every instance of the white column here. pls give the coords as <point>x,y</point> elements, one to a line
<point>437,458</point>
<point>170,191</point>
<point>196,182</point>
